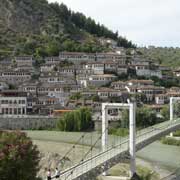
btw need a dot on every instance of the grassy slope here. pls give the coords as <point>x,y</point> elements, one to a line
<point>164,56</point>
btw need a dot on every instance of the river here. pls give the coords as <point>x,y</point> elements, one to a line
<point>163,159</point>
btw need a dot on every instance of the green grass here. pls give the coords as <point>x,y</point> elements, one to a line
<point>177,134</point>
<point>119,132</point>
<point>170,141</point>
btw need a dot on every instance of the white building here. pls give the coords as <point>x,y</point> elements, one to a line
<point>161,99</point>
<point>3,86</point>
<point>13,103</point>
<point>95,67</point>
<point>26,61</point>
<point>100,80</point>
<point>143,70</point>
<point>52,60</point>
<point>14,77</point>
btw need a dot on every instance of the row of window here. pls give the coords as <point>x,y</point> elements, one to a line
<point>13,111</point>
<point>13,102</point>
<point>15,78</point>
<point>45,102</point>
<point>14,74</point>
<point>102,79</point>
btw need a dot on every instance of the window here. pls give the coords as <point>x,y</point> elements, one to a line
<point>19,110</point>
<point>23,112</point>
<point>10,110</point>
<point>15,111</point>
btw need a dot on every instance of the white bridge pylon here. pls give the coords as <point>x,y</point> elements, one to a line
<point>172,100</point>
<point>171,108</point>
<point>132,130</point>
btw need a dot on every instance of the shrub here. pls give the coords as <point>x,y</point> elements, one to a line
<point>170,141</point>
<point>19,158</point>
<point>177,133</point>
<point>119,132</point>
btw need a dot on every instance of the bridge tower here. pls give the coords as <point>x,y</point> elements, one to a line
<point>171,108</point>
<point>132,131</point>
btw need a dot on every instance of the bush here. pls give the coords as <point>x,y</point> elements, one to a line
<point>170,141</point>
<point>119,132</point>
<point>177,133</point>
<point>146,174</point>
<point>19,158</point>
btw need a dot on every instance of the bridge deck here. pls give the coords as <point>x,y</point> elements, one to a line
<point>101,160</point>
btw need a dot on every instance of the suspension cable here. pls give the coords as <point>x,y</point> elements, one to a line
<point>88,152</point>
<point>73,147</point>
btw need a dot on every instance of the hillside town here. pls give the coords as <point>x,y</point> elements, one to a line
<point>75,79</point>
<point>89,90</point>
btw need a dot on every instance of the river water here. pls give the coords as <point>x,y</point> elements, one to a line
<point>164,159</point>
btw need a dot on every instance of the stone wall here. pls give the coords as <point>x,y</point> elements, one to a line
<point>27,122</point>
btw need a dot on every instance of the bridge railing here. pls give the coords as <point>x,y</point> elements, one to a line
<point>91,163</point>
<point>103,157</point>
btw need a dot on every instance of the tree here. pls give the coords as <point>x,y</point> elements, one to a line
<point>95,98</point>
<point>144,117</point>
<point>177,109</point>
<point>77,120</point>
<point>76,96</point>
<point>53,48</point>
<point>19,158</point>
<point>165,113</point>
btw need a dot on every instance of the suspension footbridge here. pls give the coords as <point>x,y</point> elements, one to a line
<point>92,165</point>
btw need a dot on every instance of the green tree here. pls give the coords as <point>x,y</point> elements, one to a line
<point>144,117</point>
<point>77,120</point>
<point>176,110</point>
<point>53,48</point>
<point>165,113</point>
<point>19,158</point>
<point>76,96</point>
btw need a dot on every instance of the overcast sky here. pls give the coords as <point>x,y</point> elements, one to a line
<point>145,22</point>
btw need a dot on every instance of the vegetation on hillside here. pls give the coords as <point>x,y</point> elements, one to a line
<point>168,83</point>
<point>19,158</point>
<point>50,28</point>
<point>165,56</point>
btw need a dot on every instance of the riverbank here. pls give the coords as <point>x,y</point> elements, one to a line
<point>160,158</point>
<point>164,159</point>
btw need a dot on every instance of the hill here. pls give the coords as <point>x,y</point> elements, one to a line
<point>43,29</point>
<point>165,56</point>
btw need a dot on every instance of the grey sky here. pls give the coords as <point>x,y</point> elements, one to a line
<point>145,22</point>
